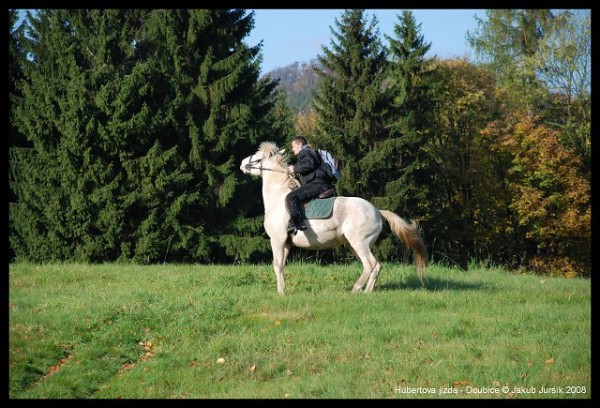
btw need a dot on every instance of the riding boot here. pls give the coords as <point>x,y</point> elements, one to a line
<point>292,228</point>
<point>296,224</point>
<point>299,221</point>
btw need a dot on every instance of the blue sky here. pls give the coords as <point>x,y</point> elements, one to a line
<point>291,35</point>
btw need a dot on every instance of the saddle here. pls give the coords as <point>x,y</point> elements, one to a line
<point>320,206</point>
<point>327,193</point>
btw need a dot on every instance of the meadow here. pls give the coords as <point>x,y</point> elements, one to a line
<point>119,331</point>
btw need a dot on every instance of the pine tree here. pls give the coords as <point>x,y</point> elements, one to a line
<point>138,120</point>
<point>209,110</point>
<point>68,183</point>
<point>17,143</point>
<point>406,173</point>
<point>400,166</point>
<point>351,103</point>
<point>244,240</point>
<point>15,75</point>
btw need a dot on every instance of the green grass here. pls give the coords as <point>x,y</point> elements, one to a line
<point>125,331</point>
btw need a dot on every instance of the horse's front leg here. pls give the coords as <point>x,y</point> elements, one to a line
<point>280,254</point>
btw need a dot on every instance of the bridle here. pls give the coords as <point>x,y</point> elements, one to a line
<point>252,165</point>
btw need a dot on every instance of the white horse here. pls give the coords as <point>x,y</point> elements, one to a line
<point>355,222</point>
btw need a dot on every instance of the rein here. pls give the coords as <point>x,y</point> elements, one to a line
<point>252,165</point>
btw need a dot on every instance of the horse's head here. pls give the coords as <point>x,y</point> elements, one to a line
<point>267,152</point>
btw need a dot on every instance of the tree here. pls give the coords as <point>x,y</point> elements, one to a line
<point>464,194</point>
<point>306,124</point>
<point>508,38</point>
<point>507,41</point>
<point>351,101</point>
<point>543,58</point>
<point>17,143</point>
<point>245,239</point>
<point>410,119</point>
<point>138,120</point>
<point>563,63</point>
<point>67,183</point>
<point>206,108</point>
<point>398,167</point>
<point>15,74</point>
<point>550,200</point>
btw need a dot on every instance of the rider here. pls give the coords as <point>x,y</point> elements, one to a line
<point>312,179</point>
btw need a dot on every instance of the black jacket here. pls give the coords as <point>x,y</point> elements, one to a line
<point>309,167</point>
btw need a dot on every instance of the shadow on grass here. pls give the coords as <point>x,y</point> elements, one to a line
<point>432,284</point>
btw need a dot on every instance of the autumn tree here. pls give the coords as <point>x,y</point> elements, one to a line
<point>543,58</point>
<point>464,194</point>
<point>306,124</point>
<point>550,200</point>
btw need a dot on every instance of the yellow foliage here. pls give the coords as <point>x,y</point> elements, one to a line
<point>551,199</point>
<point>306,123</point>
<point>558,266</point>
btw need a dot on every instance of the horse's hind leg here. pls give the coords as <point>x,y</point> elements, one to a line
<point>373,276</point>
<point>363,253</point>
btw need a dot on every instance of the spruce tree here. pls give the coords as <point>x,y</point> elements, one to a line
<point>351,103</point>
<point>68,182</point>
<point>245,240</point>
<point>404,165</point>
<point>15,75</point>
<point>208,111</point>
<point>17,143</point>
<point>407,174</point>
<point>138,120</point>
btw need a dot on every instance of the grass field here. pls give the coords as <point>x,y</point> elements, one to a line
<point>202,331</point>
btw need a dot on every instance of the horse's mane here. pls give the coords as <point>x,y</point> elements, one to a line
<point>270,149</point>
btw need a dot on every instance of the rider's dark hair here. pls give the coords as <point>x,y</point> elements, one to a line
<point>300,139</point>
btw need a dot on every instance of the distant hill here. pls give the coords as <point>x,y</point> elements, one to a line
<point>299,80</point>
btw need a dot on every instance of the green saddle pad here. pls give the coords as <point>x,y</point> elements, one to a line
<point>319,207</point>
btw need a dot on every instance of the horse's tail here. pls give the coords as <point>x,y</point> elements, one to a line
<point>408,233</point>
